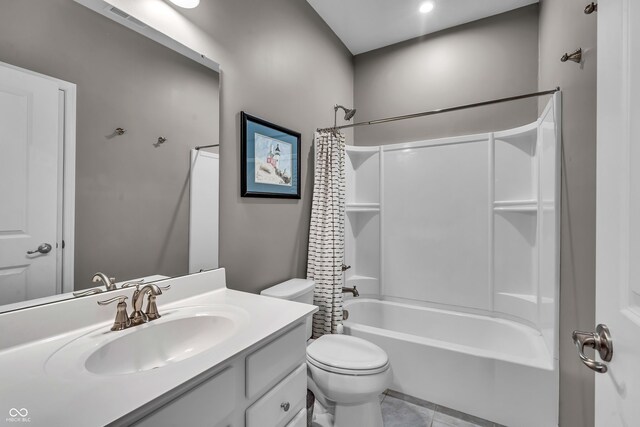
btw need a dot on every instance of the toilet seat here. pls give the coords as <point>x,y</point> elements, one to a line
<point>347,355</point>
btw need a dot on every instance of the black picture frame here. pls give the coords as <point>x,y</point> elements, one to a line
<point>268,175</point>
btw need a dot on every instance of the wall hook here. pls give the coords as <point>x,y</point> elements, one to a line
<point>120,131</point>
<point>161,140</point>
<point>574,56</point>
<point>590,8</point>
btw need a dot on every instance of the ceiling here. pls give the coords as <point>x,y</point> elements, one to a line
<point>364,25</point>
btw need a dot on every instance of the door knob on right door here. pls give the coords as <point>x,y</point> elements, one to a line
<point>600,341</point>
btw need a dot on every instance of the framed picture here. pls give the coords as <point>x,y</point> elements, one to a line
<point>270,159</point>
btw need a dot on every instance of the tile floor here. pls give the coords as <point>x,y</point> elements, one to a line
<point>400,410</point>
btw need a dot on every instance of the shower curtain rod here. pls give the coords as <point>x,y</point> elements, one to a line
<point>206,146</point>
<point>443,110</point>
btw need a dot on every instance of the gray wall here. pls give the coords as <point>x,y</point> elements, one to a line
<point>563,28</point>
<point>281,62</point>
<point>486,59</point>
<point>131,197</point>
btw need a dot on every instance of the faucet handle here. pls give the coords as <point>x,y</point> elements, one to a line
<point>119,298</point>
<point>87,292</point>
<point>136,283</point>
<point>152,309</point>
<point>122,318</point>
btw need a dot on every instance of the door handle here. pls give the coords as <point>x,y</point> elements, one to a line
<point>44,248</point>
<point>600,341</point>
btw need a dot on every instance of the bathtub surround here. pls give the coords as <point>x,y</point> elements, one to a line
<point>326,232</point>
<point>459,238</point>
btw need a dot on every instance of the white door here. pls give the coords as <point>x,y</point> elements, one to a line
<point>618,212</point>
<point>29,154</point>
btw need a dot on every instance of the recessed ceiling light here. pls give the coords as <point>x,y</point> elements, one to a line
<point>425,7</point>
<point>187,4</point>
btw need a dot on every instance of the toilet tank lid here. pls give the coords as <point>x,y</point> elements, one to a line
<point>290,289</point>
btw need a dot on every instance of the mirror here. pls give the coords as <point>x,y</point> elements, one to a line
<point>97,127</point>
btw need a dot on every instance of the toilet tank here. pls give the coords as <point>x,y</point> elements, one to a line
<point>298,290</point>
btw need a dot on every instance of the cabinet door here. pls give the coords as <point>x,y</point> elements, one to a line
<point>281,403</point>
<point>208,404</point>
<point>269,364</point>
<point>299,420</point>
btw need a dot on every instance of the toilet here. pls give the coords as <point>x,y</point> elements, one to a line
<point>346,374</point>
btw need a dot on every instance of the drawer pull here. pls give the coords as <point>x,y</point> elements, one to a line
<point>285,406</point>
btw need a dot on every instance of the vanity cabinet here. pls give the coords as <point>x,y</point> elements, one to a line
<point>265,386</point>
<point>196,406</point>
<point>283,400</point>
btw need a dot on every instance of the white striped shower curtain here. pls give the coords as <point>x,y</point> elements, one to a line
<point>326,233</point>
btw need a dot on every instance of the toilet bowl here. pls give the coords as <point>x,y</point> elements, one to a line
<point>346,374</point>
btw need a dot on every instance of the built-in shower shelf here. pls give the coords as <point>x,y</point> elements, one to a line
<point>357,277</point>
<point>516,206</point>
<point>366,285</point>
<point>362,207</point>
<point>362,149</point>
<point>524,297</point>
<point>526,133</point>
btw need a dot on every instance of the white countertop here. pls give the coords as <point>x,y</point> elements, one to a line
<point>73,397</point>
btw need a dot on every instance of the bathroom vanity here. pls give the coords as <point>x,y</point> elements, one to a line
<point>216,357</point>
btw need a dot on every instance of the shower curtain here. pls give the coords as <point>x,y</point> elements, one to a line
<point>326,233</point>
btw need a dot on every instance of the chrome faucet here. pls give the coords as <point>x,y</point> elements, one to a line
<point>353,291</point>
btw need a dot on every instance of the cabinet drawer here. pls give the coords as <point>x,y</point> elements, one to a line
<point>299,420</point>
<point>269,364</point>
<point>269,410</point>
<point>207,404</point>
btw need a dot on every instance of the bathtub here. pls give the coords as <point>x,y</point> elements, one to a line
<point>493,368</point>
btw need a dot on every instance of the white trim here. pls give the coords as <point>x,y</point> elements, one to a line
<point>481,137</point>
<point>68,184</point>
<point>381,252</point>
<point>492,220</point>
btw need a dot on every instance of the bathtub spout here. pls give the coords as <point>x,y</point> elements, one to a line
<point>353,291</point>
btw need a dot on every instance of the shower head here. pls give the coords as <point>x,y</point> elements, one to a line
<point>348,112</point>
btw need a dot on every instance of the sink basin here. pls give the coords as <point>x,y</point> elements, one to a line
<point>157,345</point>
<point>178,335</point>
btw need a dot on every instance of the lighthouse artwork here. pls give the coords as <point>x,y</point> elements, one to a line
<point>270,159</point>
<point>274,161</point>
